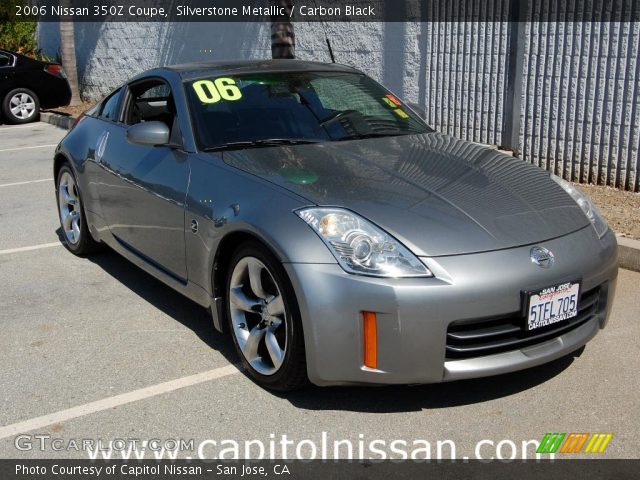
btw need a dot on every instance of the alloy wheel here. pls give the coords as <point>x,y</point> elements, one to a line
<point>22,106</point>
<point>258,315</point>
<point>69,204</point>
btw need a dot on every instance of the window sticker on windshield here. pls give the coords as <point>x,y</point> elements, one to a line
<point>393,99</point>
<point>219,89</point>
<point>388,102</point>
<point>394,103</point>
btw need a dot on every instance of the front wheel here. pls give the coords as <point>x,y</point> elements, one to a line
<point>21,106</point>
<point>264,319</point>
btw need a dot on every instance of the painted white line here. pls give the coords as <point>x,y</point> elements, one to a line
<point>27,148</point>
<point>8,129</point>
<point>116,401</point>
<point>27,182</point>
<point>32,247</point>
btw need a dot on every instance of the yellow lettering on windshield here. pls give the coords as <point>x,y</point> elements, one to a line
<point>227,88</point>
<point>401,113</point>
<point>220,89</point>
<point>389,102</point>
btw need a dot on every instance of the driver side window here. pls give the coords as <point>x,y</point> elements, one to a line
<point>150,101</point>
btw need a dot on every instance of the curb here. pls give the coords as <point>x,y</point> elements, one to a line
<point>57,119</point>
<point>628,249</point>
<point>629,253</point>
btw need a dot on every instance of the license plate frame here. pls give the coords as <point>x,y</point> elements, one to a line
<point>535,298</point>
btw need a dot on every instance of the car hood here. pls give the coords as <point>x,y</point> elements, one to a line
<point>436,194</point>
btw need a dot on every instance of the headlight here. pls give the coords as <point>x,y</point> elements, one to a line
<point>586,204</point>
<point>361,247</point>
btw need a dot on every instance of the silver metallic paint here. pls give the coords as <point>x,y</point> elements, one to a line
<point>148,133</point>
<point>414,313</point>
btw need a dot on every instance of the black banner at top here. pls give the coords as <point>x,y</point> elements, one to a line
<point>327,10</point>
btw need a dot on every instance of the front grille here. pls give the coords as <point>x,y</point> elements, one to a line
<point>468,339</point>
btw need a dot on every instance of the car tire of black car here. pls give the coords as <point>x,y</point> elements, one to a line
<point>292,373</point>
<point>85,243</point>
<point>17,119</point>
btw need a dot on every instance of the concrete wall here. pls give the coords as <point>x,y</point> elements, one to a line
<point>575,86</point>
<point>111,52</point>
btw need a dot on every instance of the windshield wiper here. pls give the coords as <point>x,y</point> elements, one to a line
<point>337,116</point>
<point>269,142</point>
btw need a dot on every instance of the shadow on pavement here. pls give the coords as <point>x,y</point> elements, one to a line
<point>165,299</point>
<point>414,398</point>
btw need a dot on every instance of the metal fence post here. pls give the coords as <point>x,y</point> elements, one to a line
<point>513,101</point>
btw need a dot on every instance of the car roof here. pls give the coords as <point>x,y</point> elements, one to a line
<point>190,71</point>
<point>9,52</point>
<point>23,58</point>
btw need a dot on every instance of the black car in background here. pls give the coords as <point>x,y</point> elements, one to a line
<point>27,85</point>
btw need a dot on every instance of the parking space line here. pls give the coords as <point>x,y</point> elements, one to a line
<point>25,183</point>
<point>32,247</point>
<point>117,400</point>
<point>8,129</point>
<point>27,148</point>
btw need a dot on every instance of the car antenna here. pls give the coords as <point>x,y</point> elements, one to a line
<point>326,37</point>
<point>333,60</point>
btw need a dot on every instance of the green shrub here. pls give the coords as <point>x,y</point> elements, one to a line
<point>17,36</point>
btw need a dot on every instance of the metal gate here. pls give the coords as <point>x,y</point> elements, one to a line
<point>556,82</point>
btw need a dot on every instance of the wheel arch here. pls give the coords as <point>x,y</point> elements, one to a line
<point>58,161</point>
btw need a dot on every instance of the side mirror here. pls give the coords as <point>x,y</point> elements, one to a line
<point>422,112</point>
<point>148,133</point>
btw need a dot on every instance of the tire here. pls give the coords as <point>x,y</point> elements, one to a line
<point>21,105</point>
<point>256,319</point>
<point>75,231</point>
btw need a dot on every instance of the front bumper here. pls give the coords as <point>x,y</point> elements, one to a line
<point>414,314</point>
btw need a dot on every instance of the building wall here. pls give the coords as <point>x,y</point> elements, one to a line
<point>108,53</point>
<point>574,86</point>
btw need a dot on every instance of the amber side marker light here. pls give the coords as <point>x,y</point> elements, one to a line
<point>370,339</point>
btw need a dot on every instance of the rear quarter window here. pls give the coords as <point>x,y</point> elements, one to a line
<point>5,60</point>
<point>110,108</point>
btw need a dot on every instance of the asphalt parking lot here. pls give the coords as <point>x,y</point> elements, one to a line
<point>96,349</point>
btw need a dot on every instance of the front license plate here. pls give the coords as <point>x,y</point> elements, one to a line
<point>552,304</point>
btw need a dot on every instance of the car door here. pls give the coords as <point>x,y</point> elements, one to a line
<point>6,72</point>
<point>143,188</point>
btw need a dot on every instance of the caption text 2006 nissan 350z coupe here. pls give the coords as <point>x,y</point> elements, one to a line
<point>332,233</point>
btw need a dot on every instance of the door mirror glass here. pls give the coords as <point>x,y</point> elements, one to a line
<point>148,133</point>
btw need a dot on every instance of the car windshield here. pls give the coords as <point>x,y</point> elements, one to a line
<point>251,110</point>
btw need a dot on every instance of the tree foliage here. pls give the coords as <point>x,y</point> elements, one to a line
<point>17,36</point>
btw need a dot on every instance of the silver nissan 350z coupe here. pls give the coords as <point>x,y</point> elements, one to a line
<point>332,233</point>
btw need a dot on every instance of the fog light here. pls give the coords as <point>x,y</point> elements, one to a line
<point>370,339</point>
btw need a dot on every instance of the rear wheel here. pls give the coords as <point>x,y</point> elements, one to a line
<point>21,106</point>
<point>75,231</point>
<point>264,319</point>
